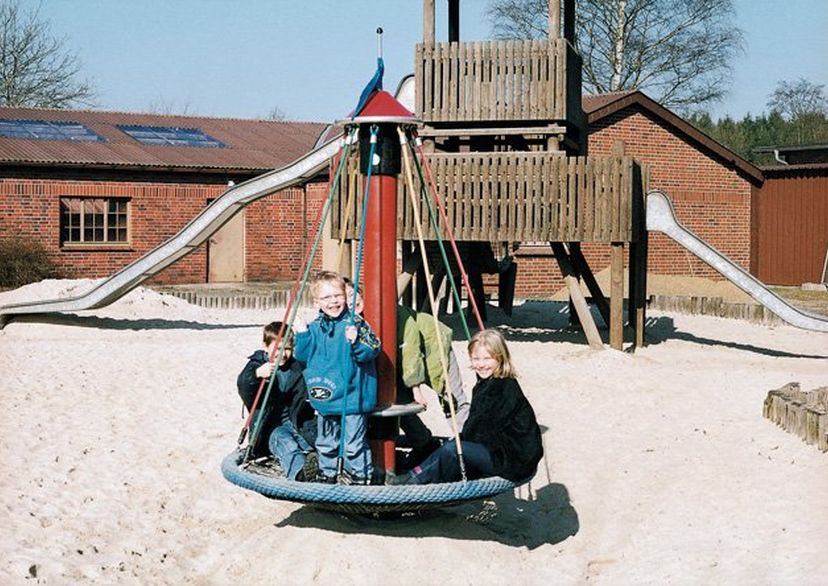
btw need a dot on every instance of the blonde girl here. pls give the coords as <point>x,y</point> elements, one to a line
<point>501,436</point>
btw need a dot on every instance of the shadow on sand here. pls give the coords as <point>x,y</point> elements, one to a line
<point>109,323</point>
<point>660,329</point>
<point>547,518</point>
<point>548,321</point>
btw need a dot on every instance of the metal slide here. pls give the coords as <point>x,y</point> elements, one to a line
<point>188,239</point>
<point>661,217</point>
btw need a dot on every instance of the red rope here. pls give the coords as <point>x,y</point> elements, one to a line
<point>444,217</point>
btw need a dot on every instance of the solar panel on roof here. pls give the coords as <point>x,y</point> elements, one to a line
<point>45,130</point>
<point>164,135</point>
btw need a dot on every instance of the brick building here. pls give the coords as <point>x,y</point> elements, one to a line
<point>100,189</point>
<point>710,187</point>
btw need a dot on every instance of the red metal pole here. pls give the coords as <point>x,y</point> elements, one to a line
<point>380,294</point>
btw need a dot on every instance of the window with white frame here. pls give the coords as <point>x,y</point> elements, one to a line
<point>103,220</point>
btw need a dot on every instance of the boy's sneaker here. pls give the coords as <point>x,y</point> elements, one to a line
<point>349,479</point>
<point>310,469</point>
<point>320,477</point>
<point>267,466</point>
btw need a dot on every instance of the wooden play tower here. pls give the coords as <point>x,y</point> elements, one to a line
<point>505,137</point>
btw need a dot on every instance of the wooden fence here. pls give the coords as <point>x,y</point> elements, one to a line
<point>498,80</point>
<point>515,196</point>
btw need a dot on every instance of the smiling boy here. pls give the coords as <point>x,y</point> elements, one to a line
<point>340,374</point>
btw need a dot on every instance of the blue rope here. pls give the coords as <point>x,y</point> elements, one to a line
<point>357,269</point>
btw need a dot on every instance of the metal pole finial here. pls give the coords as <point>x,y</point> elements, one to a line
<point>379,42</point>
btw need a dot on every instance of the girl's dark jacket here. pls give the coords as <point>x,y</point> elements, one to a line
<point>502,419</point>
<point>284,404</point>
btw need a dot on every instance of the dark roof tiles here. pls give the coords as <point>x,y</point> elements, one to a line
<point>251,145</point>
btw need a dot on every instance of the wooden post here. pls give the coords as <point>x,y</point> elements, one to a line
<point>428,21</point>
<point>616,337</point>
<point>554,19</point>
<point>453,21</point>
<point>638,258</point>
<point>636,310</point>
<point>577,297</point>
<point>585,272</point>
<point>569,21</point>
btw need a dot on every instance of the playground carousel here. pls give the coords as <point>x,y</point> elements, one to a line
<point>385,134</point>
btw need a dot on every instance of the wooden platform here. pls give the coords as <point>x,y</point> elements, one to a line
<point>516,197</point>
<point>527,80</point>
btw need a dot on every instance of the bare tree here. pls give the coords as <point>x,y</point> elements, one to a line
<point>802,104</point>
<point>162,105</point>
<point>794,99</point>
<point>35,69</point>
<point>277,114</point>
<point>678,51</point>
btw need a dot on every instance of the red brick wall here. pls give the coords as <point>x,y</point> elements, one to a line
<point>278,231</point>
<point>710,198</point>
<point>31,208</point>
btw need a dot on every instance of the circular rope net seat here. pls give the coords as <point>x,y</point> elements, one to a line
<point>362,499</point>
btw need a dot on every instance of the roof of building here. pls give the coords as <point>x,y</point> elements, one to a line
<point>820,169</point>
<point>599,106</point>
<point>250,146</point>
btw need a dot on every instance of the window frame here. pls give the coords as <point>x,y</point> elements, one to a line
<point>80,203</point>
<point>176,136</point>
<point>56,130</point>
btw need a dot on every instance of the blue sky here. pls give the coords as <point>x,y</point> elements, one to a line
<point>310,58</point>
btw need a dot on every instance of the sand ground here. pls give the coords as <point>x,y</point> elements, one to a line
<point>659,467</point>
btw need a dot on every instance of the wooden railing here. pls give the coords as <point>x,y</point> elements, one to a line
<point>516,196</point>
<point>498,80</point>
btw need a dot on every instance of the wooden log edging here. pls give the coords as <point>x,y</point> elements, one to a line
<point>235,300</point>
<point>715,306</point>
<point>799,412</point>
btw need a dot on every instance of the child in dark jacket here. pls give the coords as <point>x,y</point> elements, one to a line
<point>288,424</point>
<point>341,377</point>
<point>501,437</point>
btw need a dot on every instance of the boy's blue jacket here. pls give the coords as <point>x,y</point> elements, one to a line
<point>329,358</point>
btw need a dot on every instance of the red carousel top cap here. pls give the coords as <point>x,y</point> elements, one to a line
<point>382,107</point>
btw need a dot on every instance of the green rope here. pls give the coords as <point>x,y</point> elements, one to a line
<point>435,225</point>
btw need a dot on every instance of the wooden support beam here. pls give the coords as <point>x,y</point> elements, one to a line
<point>411,261</point>
<point>428,21</point>
<point>569,21</point>
<point>554,129</point>
<point>583,269</point>
<point>554,19</point>
<point>453,21</point>
<point>638,259</point>
<point>616,337</point>
<point>577,297</point>
<point>637,305</point>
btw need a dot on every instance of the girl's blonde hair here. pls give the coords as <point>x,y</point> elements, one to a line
<point>495,344</point>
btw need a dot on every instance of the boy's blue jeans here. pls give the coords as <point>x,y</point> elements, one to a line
<point>357,452</point>
<point>289,448</point>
